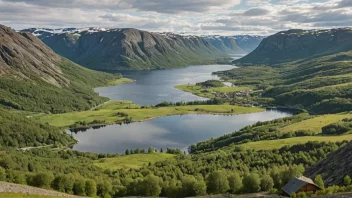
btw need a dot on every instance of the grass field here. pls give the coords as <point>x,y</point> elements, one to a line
<point>107,112</point>
<point>120,81</point>
<point>315,124</point>
<point>208,92</point>
<point>276,144</point>
<point>132,161</point>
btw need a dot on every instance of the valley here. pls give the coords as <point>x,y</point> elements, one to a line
<point>206,129</point>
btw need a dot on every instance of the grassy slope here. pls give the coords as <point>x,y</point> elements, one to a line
<point>38,96</point>
<point>132,161</point>
<point>107,112</point>
<point>276,144</point>
<point>120,81</point>
<point>209,92</point>
<point>315,124</point>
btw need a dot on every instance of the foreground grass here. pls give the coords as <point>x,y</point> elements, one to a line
<point>276,144</point>
<point>107,113</point>
<point>132,161</point>
<point>120,81</point>
<point>315,124</point>
<point>209,92</point>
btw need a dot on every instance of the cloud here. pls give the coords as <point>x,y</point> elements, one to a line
<point>224,17</point>
<point>160,6</point>
<point>256,12</point>
<point>345,3</point>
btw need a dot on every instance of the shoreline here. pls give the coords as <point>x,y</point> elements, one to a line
<point>152,118</point>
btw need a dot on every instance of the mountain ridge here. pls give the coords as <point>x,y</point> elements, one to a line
<point>297,44</point>
<point>34,78</point>
<point>129,48</point>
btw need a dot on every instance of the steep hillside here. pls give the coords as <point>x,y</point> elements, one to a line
<point>126,49</point>
<point>295,45</point>
<point>18,131</point>
<point>248,43</point>
<point>34,78</point>
<point>225,44</point>
<point>335,167</point>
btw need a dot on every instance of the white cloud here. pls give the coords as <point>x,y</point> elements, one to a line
<point>226,17</point>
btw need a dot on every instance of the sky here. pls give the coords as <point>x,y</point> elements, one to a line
<point>200,17</point>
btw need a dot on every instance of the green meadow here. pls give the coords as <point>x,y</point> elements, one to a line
<point>208,92</point>
<point>276,144</point>
<point>108,113</point>
<point>132,161</point>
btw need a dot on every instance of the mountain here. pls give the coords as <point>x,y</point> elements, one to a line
<point>247,42</point>
<point>126,49</point>
<point>335,167</point>
<point>293,45</point>
<point>225,44</point>
<point>34,78</point>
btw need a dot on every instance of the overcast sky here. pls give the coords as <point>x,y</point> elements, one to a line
<point>224,17</point>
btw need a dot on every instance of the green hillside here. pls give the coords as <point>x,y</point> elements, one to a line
<point>34,78</point>
<point>293,45</point>
<point>132,49</point>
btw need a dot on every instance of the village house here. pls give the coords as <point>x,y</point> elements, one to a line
<point>300,184</point>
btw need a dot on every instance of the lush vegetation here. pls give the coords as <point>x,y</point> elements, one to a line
<point>268,130</point>
<point>18,131</point>
<point>120,81</point>
<point>211,83</point>
<point>230,170</point>
<point>111,112</point>
<point>132,161</point>
<point>39,96</point>
<point>209,92</point>
<point>320,84</point>
<point>338,128</point>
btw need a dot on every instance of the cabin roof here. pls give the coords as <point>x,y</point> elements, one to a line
<point>297,183</point>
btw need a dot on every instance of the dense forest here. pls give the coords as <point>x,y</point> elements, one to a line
<point>232,170</point>
<point>18,131</point>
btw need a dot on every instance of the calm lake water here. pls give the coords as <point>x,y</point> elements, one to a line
<point>155,86</point>
<point>170,131</point>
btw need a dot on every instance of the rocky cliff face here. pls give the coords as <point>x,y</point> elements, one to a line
<point>25,55</point>
<point>225,44</point>
<point>123,49</point>
<point>34,78</point>
<point>294,45</point>
<point>335,167</point>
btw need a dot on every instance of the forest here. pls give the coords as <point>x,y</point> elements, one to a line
<point>319,85</point>
<point>225,171</point>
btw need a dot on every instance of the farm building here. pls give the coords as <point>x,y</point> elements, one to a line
<point>300,184</point>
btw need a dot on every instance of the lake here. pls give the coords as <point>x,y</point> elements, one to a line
<point>155,86</point>
<point>151,88</point>
<point>178,131</point>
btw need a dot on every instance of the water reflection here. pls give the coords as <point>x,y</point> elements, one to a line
<point>153,87</point>
<point>170,131</point>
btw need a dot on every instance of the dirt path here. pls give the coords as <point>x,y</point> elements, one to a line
<point>34,147</point>
<point>17,188</point>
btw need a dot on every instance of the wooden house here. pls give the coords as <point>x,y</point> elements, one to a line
<point>300,184</point>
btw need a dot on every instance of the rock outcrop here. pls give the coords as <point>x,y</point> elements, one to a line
<point>335,167</point>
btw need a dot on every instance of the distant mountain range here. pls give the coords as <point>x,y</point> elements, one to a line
<point>293,45</point>
<point>126,49</point>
